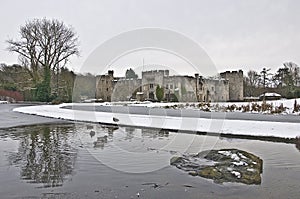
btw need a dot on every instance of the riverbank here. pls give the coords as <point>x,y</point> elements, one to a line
<point>192,124</point>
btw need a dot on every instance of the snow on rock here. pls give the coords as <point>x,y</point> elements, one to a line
<point>236,173</point>
<point>240,163</point>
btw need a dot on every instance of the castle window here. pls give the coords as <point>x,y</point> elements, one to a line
<point>106,89</point>
<point>167,86</point>
<point>171,86</point>
<point>151,85</point>
<point>212,88</point>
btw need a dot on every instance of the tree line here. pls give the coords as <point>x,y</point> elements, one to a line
<point>16,82</point>
<point>285,81</point>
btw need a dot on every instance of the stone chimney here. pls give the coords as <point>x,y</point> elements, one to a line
<point>111,73</point>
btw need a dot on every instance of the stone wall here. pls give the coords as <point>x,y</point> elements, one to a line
<point>217,90</point>
<point>183,87</point>
<point>126,89</point>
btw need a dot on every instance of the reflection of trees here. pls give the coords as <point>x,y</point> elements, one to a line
<point>129,133</point>
<point>298,143</point>
<point>154,133</point>
<point>45,155</point>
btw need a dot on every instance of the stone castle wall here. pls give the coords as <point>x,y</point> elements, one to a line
<point>217,90</point>
<point>182,88</point>
<point>125,89</point>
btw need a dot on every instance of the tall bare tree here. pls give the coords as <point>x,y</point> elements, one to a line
<point>292,73</point>
<point>253,78</point>
<point>251,82</point>
<point>47,44</point>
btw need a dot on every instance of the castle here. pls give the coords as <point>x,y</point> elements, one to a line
<point>227,87</point>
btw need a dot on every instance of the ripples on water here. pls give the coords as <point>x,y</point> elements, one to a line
<point>52,156</point>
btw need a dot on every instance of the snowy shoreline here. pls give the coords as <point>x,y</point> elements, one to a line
<point>232,127</point>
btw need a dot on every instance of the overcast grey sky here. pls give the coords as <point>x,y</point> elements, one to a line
<point>236,34</point>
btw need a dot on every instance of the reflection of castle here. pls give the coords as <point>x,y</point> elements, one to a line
<point>228,87</point>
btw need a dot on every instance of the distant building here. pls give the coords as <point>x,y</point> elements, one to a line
<point>229,87</point>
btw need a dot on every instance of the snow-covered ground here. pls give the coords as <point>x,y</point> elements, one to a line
<point>237,127</point>
<point>3,102</point>
<point>283,106</point>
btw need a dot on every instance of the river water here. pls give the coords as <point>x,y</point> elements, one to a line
<point>95,161</point>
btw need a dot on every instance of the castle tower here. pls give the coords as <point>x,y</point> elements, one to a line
<point>236,86</point>
<point>104,86</point>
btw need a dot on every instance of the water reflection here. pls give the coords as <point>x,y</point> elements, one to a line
<point>45,155</point>
<point>100,142</point>
<point>129,133</point>
<point>154,133</point>
<point>298,143</point>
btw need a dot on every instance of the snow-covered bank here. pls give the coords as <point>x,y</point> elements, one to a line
<point>236,127</point>
<point>282,106</point>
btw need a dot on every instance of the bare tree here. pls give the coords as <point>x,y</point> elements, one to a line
<point>292,74</point>
<point>251,82</point>
<point>47,44</point>
<point>253,78</point>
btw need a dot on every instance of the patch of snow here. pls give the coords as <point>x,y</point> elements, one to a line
<point>251,170</point>
<point>236,173</point>
<point>229,153</point>
<point>235,157</point>
<point>226,153</point>
<point>229,169</point>
<point>89,100</point>
<point>240,163</point>
<point>242,156</point>
<point>3,102</point>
